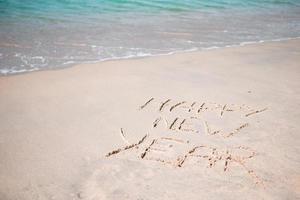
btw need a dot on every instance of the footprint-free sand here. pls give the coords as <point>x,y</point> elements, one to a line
<point>215,124</point>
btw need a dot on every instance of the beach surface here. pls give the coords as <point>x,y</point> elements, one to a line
<point>216,124</point>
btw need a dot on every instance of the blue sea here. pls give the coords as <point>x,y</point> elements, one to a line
<point>53,34</point>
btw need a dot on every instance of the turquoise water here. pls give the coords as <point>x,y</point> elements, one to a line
<point>36,35</point>
<point>69,7</point>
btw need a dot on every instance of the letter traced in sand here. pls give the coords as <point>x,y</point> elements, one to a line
<point>208,130</point>
<point>173,148</point>
<point>155,123</point>
<point>201,107</point>
<point>173,123</point>
<point>127,147</point>
<point>255,112</point>
<point>147,149</point>
<point>123,137</point>
<point>236,130</point>
<point>164,104</point>
<point>176,105</point>
<point>143,106</point>
<point>227,156</point>
<point>181,161</point>
<point>181,124</point>
<point>223,109</point>
<point>192,106</point>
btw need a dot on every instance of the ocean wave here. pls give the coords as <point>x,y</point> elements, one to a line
<point>15,70</point>
<point>70,35</point>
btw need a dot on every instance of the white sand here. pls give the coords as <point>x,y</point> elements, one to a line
<point>57,126</point>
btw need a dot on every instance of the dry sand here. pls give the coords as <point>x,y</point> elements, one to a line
<point>236,135</point>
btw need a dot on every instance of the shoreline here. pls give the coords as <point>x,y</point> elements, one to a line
<point>192,50</point>
<point>59,127</point>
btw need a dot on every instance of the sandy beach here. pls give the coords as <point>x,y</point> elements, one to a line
<point>216,124</point>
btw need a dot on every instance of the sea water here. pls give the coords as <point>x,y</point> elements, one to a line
<point>53,34</point>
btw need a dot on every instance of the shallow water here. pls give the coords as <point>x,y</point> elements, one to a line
<point>52,34</point>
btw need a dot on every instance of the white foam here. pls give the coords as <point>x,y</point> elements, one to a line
<point>16,71</point>
<point>43,62</point>
<point>69,62</point>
